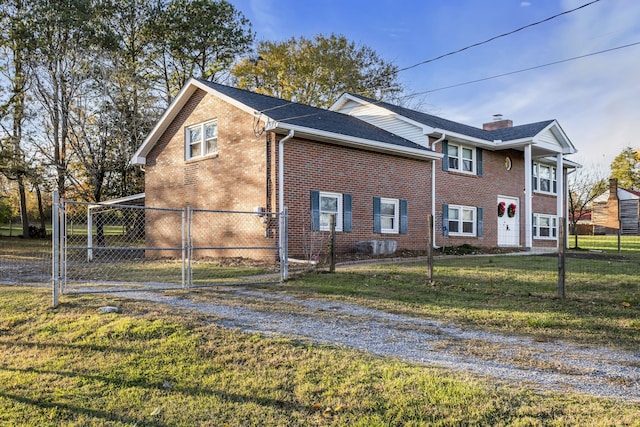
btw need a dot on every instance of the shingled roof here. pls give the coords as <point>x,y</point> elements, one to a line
<point>305,116</point>
<point>503,134</point>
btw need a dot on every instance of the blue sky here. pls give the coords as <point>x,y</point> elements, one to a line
<point>596,100</point>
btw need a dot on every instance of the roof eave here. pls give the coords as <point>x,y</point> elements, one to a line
<point>355,142</point>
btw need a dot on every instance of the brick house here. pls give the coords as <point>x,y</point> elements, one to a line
<point>374,165</point>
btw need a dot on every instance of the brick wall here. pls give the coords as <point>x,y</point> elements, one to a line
<point>363,174</point>
<point>234,179</point>
<point>483,191</point>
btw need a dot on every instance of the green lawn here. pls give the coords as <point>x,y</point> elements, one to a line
<point>74,229</point>
<point>628,244</point>
<point>150,365</point>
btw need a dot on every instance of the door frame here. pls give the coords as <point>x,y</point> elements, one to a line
<point>508,239</point>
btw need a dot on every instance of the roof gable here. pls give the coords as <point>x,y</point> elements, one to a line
<point>546,132</point>
<point>279,114</point>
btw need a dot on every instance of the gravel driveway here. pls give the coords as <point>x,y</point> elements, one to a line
<point>539,365</point>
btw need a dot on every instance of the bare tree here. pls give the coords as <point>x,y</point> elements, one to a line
<point>585,184</point>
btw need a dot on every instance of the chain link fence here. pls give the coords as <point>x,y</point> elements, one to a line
<point>110,247</point>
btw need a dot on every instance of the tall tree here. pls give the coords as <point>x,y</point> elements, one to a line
<point>584,185</point>
<point>15,42</point>
<point>65,32</point>
<point>626,168</point>
<point>316,71</point>
<point>111,118</point>
<point>197,38</point>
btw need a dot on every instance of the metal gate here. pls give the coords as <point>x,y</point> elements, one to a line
<point>106,247</point>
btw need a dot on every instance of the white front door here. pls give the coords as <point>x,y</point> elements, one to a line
<point>508,222</point>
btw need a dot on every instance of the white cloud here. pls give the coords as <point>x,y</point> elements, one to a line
<point>525,4</point>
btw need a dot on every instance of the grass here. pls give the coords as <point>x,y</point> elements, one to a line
<point>75,229</point>
<point>151,365</point>
<point>628,244</point>
<point>508,294</point>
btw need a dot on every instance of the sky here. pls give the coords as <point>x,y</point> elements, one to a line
<point>596,100</point>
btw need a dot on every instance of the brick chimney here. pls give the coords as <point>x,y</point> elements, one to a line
<point>613,206</point>
<point>497,123</point>
<point>613,188</point>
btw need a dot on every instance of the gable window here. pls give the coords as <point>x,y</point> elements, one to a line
<point>324,205</point>
<point>462,220</point>
<point>461,158</point>
<point>389,215</point>
<point>545,226</point>
<point>544,178</point>
<point>201,139</point>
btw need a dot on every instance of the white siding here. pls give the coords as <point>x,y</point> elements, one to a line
<point>383,119</point>
<point>548,141</point>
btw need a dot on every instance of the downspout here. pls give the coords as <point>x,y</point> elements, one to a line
<point>433,187</point>
<point>281,169</point>
<point>281,186</point>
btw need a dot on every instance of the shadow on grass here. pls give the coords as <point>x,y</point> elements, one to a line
<point>193,392</point>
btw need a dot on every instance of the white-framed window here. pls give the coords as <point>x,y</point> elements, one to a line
<point>544,178</point>
<point>330,204</point>
<point>201,139</point>
<point>389,215</point>
<point>461,158</point>
<point>545,226</point>
<point>461,220</point>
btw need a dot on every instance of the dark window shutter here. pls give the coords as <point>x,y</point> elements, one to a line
<point>315,210</point>
<point>445,220</point>
<point>377,227</point>
<point>480,214</point>
<point>346,213</point>
<point>445,159</point>
<point>479,161</point>
<point>404,217</point>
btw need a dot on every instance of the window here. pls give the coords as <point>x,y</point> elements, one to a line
<point>462,159</point>
<point>202,139</point>
<point>330,204</point>
<point>390,215</point>
<point>324,205</point>
<point>544,179</point>
<point>545,227</point>
<point>462,220</point>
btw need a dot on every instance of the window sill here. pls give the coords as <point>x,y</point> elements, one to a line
<point>461,173</point>
<point>201,158</point>
<point>544,193</point>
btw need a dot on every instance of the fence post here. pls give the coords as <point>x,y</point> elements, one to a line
<point>89,234</point>
<point>561,257</point>
<point>332,239</point>
<point>55,255</point>
<point>284,245</point>
<point>430,245</point>
<point>185,243</point>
